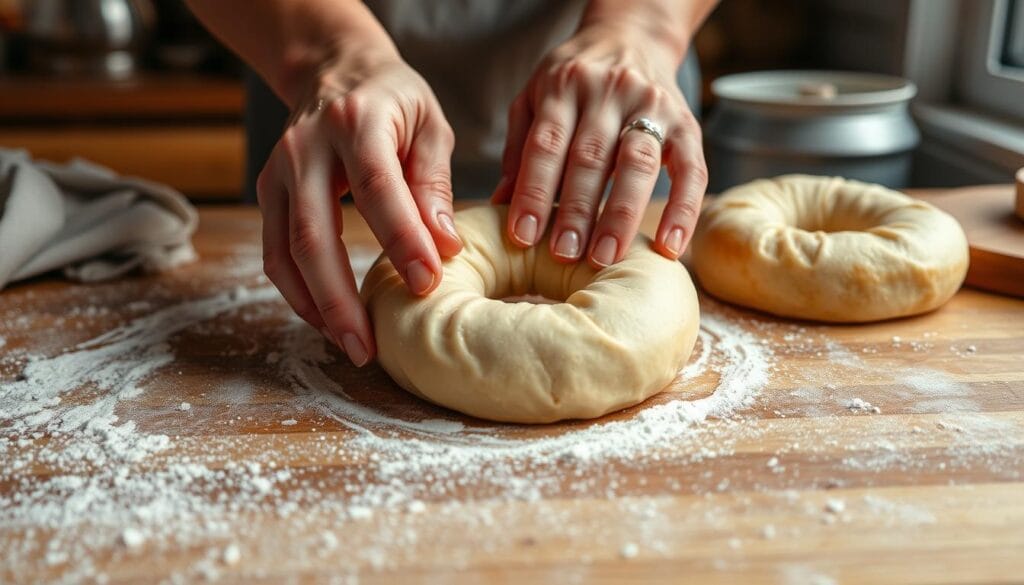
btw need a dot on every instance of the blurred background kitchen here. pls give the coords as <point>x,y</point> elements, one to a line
<point>139,86</point>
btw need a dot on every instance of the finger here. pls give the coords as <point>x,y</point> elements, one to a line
<point>316,246</point>
<point>384,200</point>
<point>589,165</point>
<point>429,176</point>
<point>277,260</point>
<point>636,172</point>
<point>689,176</point>
<point>519,117</point>
<point>540,172</point>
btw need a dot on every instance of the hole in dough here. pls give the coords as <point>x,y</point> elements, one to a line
<point>533,299</point>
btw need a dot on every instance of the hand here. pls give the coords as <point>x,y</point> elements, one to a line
<point>564,136</point>
<point>371,125</point>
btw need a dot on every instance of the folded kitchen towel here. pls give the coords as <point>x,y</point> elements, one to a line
<point>87,221</point>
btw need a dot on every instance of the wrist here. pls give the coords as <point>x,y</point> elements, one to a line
<point>306,68</point>
<point>662,34</point>
<point>661,53</point>
<point>348,37</point>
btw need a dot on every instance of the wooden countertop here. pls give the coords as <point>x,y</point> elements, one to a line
<point>890,452</point>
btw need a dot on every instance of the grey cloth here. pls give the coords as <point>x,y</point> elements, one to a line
<point>86,220</point>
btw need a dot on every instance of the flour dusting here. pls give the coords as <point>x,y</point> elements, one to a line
<point>117,445</point>
<point>129,488</point>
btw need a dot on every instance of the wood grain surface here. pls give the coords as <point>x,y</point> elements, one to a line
<point>995,234</point>
<point>890,452</point>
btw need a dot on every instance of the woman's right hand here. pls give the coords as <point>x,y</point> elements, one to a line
<point>369,125</point>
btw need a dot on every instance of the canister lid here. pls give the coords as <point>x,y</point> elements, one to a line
<point>816,89</point>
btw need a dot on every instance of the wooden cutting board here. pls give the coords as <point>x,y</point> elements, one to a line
<point>995,234</point>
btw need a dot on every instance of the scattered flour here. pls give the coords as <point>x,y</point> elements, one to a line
<point>835,506</point>
<point>79,398</point>
<point>111,477</point>
<point>861,405</point>
<point>629,550</point>
<point>133,538</point>
<point>232,555</point>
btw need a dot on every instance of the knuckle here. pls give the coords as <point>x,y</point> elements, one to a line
<point>437,184</point>
<point>332,305</point>
<point>590,152</point>
<point>400,238</point>
<point>622,213</point>
<point>622,77</point>
<point>533,196</point>
<point>613,77</point>
<point>272,264</point>
<point>686,208</point>
<point>654,95</point>
<point>688,129</point>
<point>288,155</point>
<point>589,72</point>
<point>373,186</point>
<point>549,140</point>
<point>698,171</point>
<point>345,112</point>
<point>689,121</point>
<point>642,156</point>
<point>558,72</point>
<point>264,185</point>
<point>577,210</point>
<point>288,146</point>
<point>289,138</point>
<point>306,238</point>
<point>307,312</point>
<point>447,136</point>
<point>568,73</point>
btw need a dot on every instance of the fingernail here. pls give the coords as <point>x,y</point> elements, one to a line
<point>526,229</point>
<point>674,240</point>
<point>605,250</point>
<point>568,245</point>
<point>419,277</point>
<point>328,335</point>
<point>448,225</point>
<point>355,350</point>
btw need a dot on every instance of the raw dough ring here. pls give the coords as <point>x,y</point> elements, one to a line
<point>620,335</point>
<point>828,249</point>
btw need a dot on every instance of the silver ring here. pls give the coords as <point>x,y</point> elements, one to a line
<point>647,126</point>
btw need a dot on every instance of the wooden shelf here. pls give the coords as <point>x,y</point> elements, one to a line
<point>183,130</point>
<point>146,97</point>
<point>205,161</point>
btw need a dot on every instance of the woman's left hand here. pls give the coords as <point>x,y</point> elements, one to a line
<point>564,137</point>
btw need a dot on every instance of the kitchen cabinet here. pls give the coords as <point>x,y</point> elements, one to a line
<point>184,130</point>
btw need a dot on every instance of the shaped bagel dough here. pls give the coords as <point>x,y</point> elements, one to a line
<point>828,249</point>
<point>618,335</point>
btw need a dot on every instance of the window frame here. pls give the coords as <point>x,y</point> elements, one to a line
<point>983,79</point>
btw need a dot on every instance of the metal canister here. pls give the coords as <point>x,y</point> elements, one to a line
<point>103,37</point>
<point>854,125</point>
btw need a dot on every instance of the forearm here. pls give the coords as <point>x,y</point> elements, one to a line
<point>287,41</point>
<point>668,25</point>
